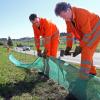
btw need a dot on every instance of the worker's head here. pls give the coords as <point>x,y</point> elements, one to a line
<point>63,10</point>
<point>34,19</point>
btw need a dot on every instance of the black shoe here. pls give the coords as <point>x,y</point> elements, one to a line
<point>70,97</point>
<point>93,74</point>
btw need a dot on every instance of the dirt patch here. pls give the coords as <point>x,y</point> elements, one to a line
<point>33,87</point>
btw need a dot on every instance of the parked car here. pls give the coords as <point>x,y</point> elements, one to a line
<point>26,48</point>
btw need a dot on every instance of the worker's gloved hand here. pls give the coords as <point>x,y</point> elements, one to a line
<point>67,51</point>
<point>44,54</point>
<point>39,53</point>
<point>77,51</point>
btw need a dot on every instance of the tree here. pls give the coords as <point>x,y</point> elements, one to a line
<point>9,42</point>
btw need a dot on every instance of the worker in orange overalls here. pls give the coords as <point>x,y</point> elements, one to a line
<point>50,35</point>
<point>85,26</point>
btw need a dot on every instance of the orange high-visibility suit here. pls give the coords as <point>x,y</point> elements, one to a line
<point>85,26</point>
<point>50,35</point>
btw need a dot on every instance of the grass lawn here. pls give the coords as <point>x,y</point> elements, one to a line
<point>19,84</point>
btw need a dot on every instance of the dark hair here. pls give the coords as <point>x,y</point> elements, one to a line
<point>32,17</point>
<point>62,6</point>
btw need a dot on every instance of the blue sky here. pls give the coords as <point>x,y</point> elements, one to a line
<point>14,15</point>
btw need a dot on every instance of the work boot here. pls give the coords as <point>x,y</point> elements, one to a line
<point>93,71</point>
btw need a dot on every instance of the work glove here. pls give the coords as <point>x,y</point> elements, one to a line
<point>67,51</point>
<point>44,54</point>
<point>77,51</point>
<point>39,53</point>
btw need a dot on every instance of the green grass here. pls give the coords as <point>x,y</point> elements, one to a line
<point>20,84</point>
<point>10,75</point>
<point>8,72</point>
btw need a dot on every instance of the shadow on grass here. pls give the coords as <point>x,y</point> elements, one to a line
<point>7,91</point>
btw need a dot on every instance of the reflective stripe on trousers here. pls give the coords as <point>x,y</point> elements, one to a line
<point>85,70</point>
<point>85,63</point>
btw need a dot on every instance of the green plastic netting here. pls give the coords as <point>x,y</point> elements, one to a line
<point>66,75</point>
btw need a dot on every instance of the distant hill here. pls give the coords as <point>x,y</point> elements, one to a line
<point>3,39</point>
<point>25,39</point>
